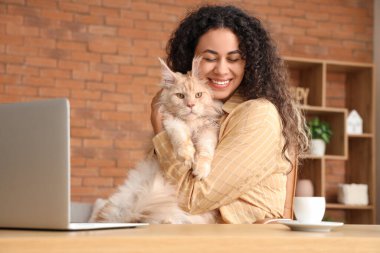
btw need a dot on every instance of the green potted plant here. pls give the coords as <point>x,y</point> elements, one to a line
<point>320,136</point>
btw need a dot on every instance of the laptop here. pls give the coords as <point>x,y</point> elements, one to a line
<point>35,167</point>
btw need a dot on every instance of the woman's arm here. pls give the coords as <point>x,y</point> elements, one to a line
<point>156,116</point>
<point>248,150</point>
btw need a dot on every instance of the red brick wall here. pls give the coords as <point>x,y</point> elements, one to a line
<point>102,55</point>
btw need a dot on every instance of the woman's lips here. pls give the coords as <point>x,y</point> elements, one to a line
<point>219,84</point>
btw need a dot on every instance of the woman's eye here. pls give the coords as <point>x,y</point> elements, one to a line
<point>198,94</point>
<point>209,59</point>
<point>233,60</point>
<point>180,95</point>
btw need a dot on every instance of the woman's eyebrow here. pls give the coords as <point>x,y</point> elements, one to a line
<point>235,52</point>
<point>214,52</point>
<point>210,51</point>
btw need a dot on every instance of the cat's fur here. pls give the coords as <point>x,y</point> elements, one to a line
<point>190,118</point>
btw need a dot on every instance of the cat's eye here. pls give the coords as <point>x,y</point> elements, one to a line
<point>198,94</point>
<point>180,95</point>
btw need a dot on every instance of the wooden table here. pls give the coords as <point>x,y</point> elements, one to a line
<point>195,239</point>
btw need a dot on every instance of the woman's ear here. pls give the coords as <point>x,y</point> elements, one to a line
<point>195,66</point>
<point>168,76</point>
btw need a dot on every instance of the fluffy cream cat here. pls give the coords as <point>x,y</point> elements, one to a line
<point>190,118</point>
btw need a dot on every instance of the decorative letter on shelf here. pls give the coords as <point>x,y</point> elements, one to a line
<point>300,94</point>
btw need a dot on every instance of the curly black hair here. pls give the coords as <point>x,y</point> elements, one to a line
<point>265,75</point>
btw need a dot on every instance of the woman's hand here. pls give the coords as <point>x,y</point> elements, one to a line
<point>156,115</point>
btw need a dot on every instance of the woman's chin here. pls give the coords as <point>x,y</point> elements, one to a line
<point>220,95</point>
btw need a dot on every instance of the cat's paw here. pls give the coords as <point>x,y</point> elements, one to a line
<point>103,213</point>
<point>167,221</point>
<point>201,167</point>
<point>186,154</point>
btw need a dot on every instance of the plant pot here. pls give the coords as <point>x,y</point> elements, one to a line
<point>318,147</point>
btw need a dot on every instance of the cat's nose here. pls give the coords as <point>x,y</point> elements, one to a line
<point>191,105</point>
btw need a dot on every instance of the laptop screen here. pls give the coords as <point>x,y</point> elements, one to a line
<point>35,164</point>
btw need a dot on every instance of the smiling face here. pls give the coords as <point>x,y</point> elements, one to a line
<point>222,64</point>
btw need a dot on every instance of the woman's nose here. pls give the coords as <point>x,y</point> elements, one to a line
<point>221,67</point>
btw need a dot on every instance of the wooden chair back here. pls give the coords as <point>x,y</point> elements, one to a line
<point>290,191</point>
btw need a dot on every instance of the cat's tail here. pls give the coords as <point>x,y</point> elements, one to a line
<point>146,196</point>
<point>155,200</point>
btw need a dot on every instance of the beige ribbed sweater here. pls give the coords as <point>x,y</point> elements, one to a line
<point>248,177</point>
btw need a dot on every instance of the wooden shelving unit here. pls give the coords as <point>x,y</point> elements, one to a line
<point>348,158</point>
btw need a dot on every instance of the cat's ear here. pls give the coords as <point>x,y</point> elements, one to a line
<point>195,66</point>
<point>168,76</point>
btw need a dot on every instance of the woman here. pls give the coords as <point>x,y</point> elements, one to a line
<point>261,131</point>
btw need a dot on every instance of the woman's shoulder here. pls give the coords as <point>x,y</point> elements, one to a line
<point>255,113</point>
<point>257,107</point>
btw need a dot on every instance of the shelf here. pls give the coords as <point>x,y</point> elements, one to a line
<point>307,74</point>
<point>336,118</point>
<point>335,88</point>
<point>329,157</point>
<point>365,135</point>
<point>335,157</point>
<point>299,61</point>
<point>354,84</point>
<point>343,206</point>
<point>307,156</point>
<point>321,109</point>
<point>347,66</point>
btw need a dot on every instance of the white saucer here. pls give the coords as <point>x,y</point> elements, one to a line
<point>323,226</point>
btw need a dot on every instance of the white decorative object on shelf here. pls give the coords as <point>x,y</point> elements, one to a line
<point>317,147</point>
<point>354,123</point>
<point>304,188</point>
<point>353,194</point>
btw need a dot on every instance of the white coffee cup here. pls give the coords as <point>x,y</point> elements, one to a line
<point>309,209</point>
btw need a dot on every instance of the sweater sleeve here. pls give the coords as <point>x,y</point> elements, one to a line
<point>249,145</point>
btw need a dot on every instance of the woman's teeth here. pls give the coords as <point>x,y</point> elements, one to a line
<point>220,82</point>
